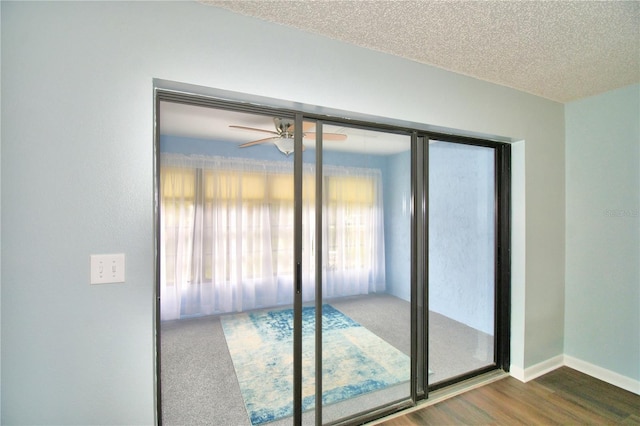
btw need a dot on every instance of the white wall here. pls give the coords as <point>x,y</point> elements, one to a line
<point>77,179</point>
<point>518,258</point>
<point>603,231</point>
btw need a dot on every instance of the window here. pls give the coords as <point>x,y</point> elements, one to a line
<point>227,232</point>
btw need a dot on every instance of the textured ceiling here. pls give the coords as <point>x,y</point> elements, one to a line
<point>560,50</point>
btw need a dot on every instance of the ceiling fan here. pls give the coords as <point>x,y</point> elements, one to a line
<point>282,136</point>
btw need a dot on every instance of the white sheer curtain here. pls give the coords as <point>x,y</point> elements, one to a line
<point>227,234</point>
<point>353,240</point>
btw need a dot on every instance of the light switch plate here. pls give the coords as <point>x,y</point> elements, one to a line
<point>107,268</point>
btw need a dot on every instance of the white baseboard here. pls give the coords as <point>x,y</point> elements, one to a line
<point>530,373</point>
<point>603,374</point>
<point>517,372</point>
<point>611,377</point>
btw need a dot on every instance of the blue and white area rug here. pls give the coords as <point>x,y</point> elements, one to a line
<point>355,361</point>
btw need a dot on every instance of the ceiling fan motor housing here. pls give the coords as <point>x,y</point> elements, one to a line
<point>284,126</point>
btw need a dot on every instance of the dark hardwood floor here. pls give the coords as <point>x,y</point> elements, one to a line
<point>563,396</point>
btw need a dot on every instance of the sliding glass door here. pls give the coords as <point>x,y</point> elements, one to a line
<point>365,261</point>
<point>227,278</point>
<point>315,270</point>
<point>285,267</point>
<point>462,259</point>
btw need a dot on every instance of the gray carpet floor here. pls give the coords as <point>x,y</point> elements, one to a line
<point>199,385</point>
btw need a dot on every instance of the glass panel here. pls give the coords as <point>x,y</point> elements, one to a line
<point>226,267</point>
<point>461,259</point>
<point>366,270</point>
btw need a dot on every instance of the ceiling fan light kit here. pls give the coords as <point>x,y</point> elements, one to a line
<point>284,145</point>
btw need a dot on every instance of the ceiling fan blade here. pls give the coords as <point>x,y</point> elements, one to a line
<point>327,136</point>
<point>306,126</point>
<point>334,136</point>
<point>259,141</point>
<point>255,130</point>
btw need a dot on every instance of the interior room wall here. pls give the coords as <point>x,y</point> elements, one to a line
<point>77,179</point>
<point>397,224</point>
<point>602,302</point>
<point>196,146</point>
<point>461,233</point>
<point>518,258</point>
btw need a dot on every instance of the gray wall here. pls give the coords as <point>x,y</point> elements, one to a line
<point>603,231</point>
<point>77,179</point>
